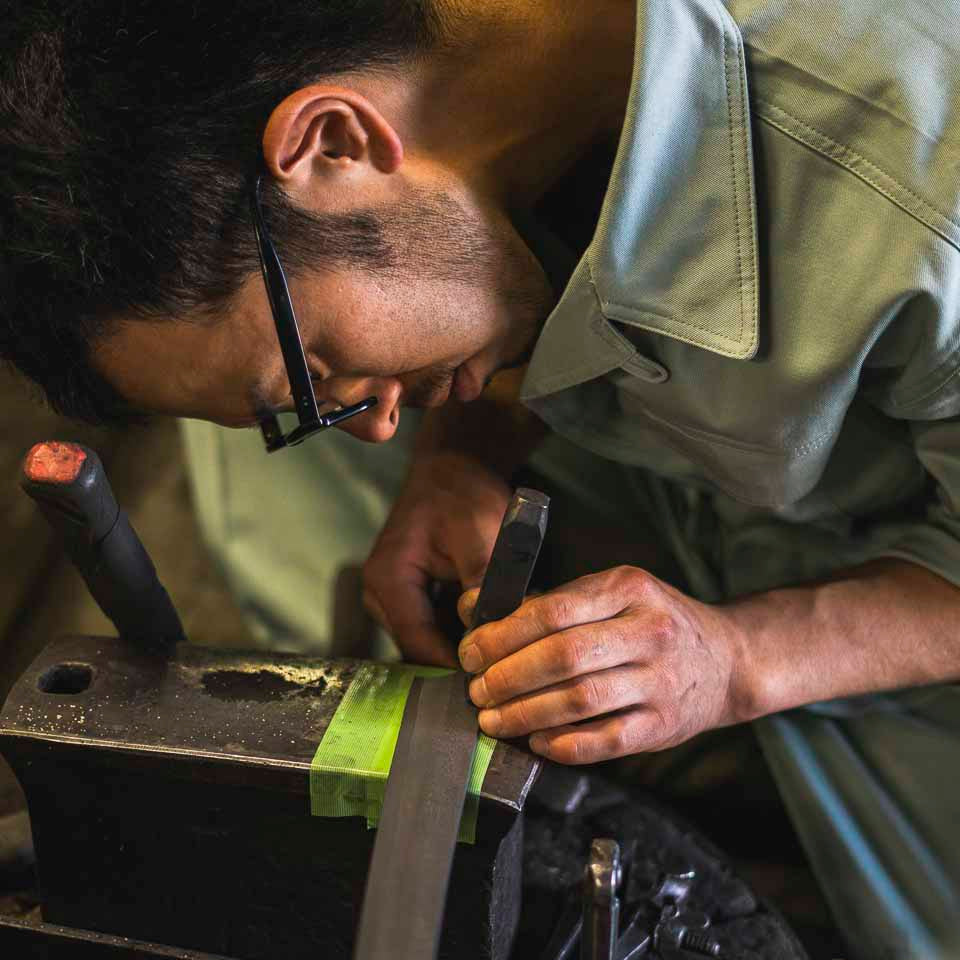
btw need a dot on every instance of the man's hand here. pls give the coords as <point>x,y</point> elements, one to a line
<point>645,666</point>
<point>442,527</point>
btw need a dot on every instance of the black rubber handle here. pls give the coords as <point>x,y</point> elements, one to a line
<point>514,556</point>
<point>71,488</point>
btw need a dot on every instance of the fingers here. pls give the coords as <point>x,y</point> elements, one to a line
<point>630,731</point>
<point>442,527</point>
<point>466,604</point>
<point>587,600</point>
<point>414,628</point>
<point>372,605</point>
<point>562,656</point>
<point>472,555</point>
<point>568,702</point>
<point>402,605</point>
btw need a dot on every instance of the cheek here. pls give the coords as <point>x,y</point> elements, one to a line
<point>386,328</point>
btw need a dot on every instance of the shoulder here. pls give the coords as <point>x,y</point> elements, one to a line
<point>872,86</point>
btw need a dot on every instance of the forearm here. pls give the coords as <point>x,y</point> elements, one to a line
<point>886,625</point>
<point>495,429</point>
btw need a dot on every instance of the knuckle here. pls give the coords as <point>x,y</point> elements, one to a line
<point>630,582</point>
<point>617,740</point>
<point>569,656</point>
<point>496,644</point>
<point>661,628</point>
<point>571,750</point>
<point>484,639</point>
<point>554,612</point>
<point>498,687</point>
<point>587,696</point>
<point>520,716</point>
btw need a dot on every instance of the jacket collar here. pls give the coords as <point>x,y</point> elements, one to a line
<point>675,247</point>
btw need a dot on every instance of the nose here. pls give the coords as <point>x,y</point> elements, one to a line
<point>378,424</point>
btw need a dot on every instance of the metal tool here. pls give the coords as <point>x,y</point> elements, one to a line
<point>406,890</point>
<point>657,922</point>
<point>601,905</point>
<point>684,932</point>
<point>514,556</point>
<point>70,486</point>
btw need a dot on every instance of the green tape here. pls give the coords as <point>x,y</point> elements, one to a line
<point>349,770</point>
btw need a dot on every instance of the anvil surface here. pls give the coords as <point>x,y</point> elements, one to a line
<point>170,802</point>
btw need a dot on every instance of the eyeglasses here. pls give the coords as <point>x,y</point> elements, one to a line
<point>291,346</point>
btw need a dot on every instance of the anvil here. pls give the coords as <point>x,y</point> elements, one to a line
<point>170,803</point>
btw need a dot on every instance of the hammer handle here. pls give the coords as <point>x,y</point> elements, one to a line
<point>70,486</point>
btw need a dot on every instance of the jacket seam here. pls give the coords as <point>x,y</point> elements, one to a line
<point>710,338</point>
<point>741,446</point>
<point>585,371</point>
<point>611,450</point>
<point>848,158</point>
<point>904,405</point>
<point>928,385</point>
<point>733,177</point>
<point>710,334</point>
<point>847,91</point>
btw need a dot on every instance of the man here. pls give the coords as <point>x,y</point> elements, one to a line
<point>757,350</point>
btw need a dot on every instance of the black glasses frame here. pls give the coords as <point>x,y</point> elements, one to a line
<point>291,346</point>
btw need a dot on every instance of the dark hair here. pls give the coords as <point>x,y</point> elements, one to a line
<point>129,132</point>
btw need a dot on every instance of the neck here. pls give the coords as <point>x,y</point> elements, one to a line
<point>519,91</point>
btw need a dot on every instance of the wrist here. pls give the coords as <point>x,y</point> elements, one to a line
<point>787,650</point>
<point>746,694</point>
<point>495,430</point>
<point>438,465</point>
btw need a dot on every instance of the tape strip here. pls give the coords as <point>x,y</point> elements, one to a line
<point>349,770</point>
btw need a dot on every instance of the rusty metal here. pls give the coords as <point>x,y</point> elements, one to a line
<point>170,803</point>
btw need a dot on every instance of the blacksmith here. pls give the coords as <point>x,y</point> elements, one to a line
<point>711,253</point>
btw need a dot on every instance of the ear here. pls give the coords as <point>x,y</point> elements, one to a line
<point>328,132</point>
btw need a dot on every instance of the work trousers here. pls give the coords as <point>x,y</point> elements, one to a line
<point>871,784</point>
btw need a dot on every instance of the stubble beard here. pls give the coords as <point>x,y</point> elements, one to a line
<point>432,237</point>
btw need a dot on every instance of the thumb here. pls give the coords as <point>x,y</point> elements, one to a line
<point>405,610</point>
<point>466,605</point>
<point>372,605</point>
<point>472,565</point>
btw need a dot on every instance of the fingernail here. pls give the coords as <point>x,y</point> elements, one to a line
<point>478,692</point>
<point>538,744</point>
<point>490,721</point>
<point>470,657</point>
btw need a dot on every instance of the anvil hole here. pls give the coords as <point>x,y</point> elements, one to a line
<point>262,686</point>
<point>66,679</point>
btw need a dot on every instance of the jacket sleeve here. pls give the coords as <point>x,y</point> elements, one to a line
<point>934,540</point>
